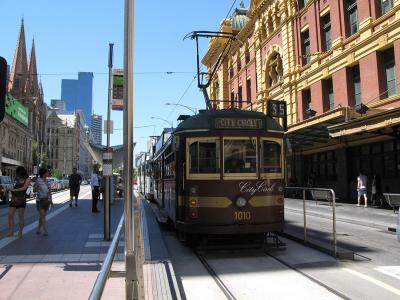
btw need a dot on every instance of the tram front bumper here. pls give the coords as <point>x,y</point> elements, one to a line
<point>229,229</point>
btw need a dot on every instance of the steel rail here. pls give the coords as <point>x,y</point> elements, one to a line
<point>228,294</point>
<point>105,271</point>
<point>332,192</point>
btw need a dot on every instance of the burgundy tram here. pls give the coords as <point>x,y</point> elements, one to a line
<point>221,172</point>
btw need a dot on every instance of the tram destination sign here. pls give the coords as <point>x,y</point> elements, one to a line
<point>231,123</point>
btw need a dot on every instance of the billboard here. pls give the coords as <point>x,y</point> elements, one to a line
<point>16,110</point>
<point>117,101</point>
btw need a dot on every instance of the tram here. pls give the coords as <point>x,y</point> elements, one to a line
<point>145,178</point>
<point>221,172</point>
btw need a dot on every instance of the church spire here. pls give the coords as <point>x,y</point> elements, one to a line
<point>19,67</point>
<point>32,85</point>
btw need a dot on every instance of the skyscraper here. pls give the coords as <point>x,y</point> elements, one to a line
<point>96,128</point>
<point>78,94</point>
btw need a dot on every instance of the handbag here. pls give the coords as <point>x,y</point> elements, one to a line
<point>18,198</point>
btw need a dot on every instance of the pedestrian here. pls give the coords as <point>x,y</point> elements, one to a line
<point>362,188</point>
<point>18,201</point>
<point>44,199</point>
<point>94,182</point>
<point>75,180</point>
<point>376,191</point>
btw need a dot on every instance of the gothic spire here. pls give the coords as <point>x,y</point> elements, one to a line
<point>32,85</point>
<point>19,69</point>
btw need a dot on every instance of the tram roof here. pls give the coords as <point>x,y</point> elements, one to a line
<point>204,119</point>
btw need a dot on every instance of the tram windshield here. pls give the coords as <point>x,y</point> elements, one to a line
<point>271,160</point>
<point>204,157</point>
<point>240,155</point>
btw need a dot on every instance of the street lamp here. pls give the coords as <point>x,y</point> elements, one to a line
<point>166,121</point>
<point>192,109</point>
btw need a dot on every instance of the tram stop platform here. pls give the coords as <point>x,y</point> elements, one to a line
<point>319,234</point>
<point>64,264</point>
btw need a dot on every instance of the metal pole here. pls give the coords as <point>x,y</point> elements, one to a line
<point>334,222</point>
<point>304,216</point>
<point>106,200</point>
<point>65,158</point>
<point>130,263</point>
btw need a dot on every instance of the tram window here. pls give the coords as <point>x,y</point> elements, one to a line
<point>203,157</point>
<point>240,156</point>
<point>271,157</point>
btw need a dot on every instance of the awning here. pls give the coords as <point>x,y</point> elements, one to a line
<point>368,124</point>
<point>315,129</point>
<point>10,162</point>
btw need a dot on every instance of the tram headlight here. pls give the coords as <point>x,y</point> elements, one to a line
<point>240,201</point>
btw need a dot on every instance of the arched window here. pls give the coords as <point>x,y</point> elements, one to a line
<point>274,69</point>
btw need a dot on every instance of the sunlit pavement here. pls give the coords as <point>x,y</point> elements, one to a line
<point>65,264</point>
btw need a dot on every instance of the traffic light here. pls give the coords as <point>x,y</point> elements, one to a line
<point>3,82</point>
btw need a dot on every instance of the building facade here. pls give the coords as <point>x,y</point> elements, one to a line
<point>78,94</point>
<point>65,138</point>
<point>96,129</point>
<point>23,127</point>
<point>62,140</point>
<point>336,64</point>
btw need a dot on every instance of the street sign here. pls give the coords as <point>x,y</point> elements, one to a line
<point>107,162</point>
<point>277,109</point>
<point>117,101</point>
<point>3,83</point>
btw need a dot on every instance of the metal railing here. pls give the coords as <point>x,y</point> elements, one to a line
<point>333,198</point>
<point>105,271</point>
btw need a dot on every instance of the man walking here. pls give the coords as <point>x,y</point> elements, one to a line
<point>75,181</point>
<point>362,188</point>
<point>94,182</point>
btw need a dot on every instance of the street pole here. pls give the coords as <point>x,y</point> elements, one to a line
<point>107,192</point>
<point>131,286</point>
<point>65,141</point>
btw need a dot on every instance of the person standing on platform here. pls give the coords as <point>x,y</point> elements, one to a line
<point>18,201</point>
<point>376,191</point>
<point>94,182</point>
<point>362,188</point>
<point>75,181</point>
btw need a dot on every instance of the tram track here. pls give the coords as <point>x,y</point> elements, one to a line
<point>225,290</point>
<point>231,296</point>
<point>313,279</point>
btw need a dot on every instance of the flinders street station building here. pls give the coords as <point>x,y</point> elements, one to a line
<point>336,63</point>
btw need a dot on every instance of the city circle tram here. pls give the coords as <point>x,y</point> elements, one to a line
<point>221,172</point>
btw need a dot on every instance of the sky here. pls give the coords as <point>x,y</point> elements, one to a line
<point>73,36</point>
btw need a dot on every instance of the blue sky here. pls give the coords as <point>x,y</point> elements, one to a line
<point>72,36</point>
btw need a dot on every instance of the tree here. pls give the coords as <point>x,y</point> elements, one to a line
<point>56,173</point>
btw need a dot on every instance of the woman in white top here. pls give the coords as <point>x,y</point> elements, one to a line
<point>44,199</point>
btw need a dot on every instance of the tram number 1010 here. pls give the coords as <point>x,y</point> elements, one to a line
<point>242,215</point>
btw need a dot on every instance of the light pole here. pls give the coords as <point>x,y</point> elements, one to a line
<point>131,225</point>
<point>166,121</point>
<point>192,109</point>
<point>107,194</point>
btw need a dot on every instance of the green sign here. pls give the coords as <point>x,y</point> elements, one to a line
<point>118,90</point>
<point>16,110</point>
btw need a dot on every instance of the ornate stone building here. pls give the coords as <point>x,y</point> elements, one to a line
<point>336,63</point>
<point>26,93</point>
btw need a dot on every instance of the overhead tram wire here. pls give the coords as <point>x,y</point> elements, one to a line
<point>102,73</point>
<point>190,84</point>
